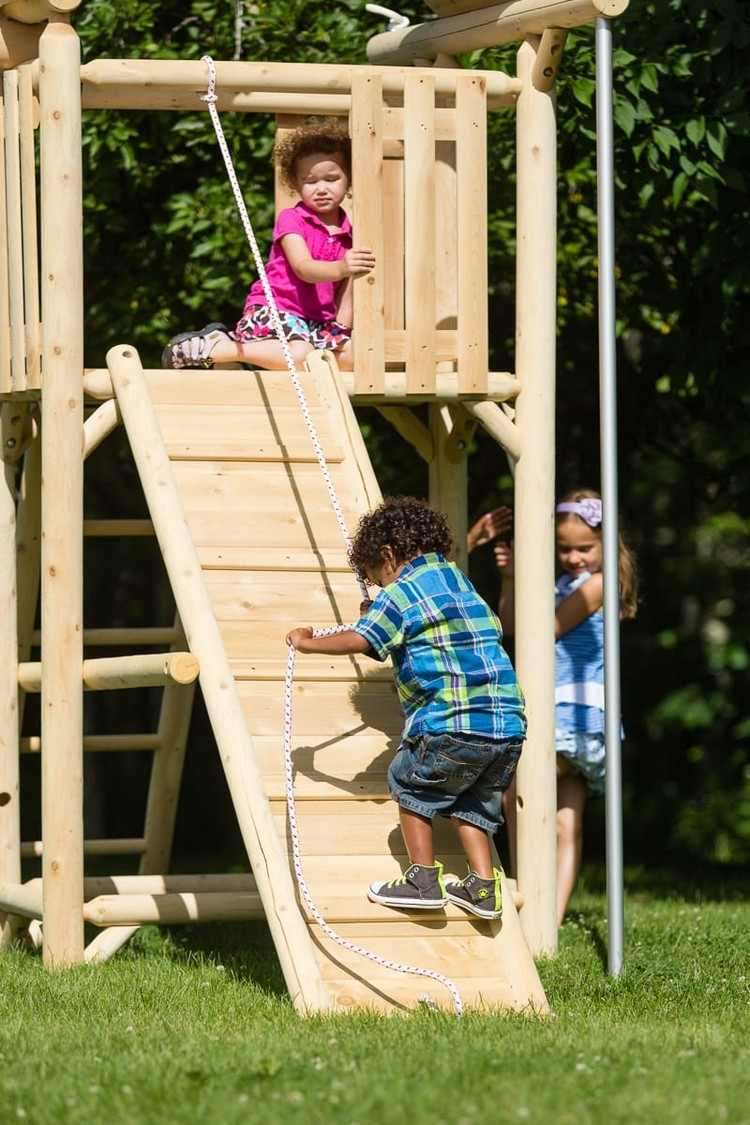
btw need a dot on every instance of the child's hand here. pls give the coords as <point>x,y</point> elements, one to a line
<point>357,262</point>
<point>504,559</point>
<point>364,605</point>
<point>297,637</point>
<point>488,527</point>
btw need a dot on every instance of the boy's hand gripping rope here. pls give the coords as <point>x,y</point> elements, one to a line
<point>397,966</point>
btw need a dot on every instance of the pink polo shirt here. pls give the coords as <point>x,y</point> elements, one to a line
<point>303,298</point>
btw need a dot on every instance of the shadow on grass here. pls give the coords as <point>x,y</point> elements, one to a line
<point>245,950</point>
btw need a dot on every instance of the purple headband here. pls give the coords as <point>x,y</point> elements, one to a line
<point>589,509</point>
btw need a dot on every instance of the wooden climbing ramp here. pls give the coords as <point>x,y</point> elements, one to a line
<point>236,479</point>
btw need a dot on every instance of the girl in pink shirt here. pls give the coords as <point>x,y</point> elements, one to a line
<point>310,269</point>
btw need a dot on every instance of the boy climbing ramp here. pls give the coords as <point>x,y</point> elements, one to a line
<point>463,708</point>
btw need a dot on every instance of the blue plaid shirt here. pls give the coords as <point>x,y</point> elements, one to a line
<point>451,670</point>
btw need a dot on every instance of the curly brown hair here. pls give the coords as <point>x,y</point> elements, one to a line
<point>407,525</point>
<point>627,564</point>
<point>324,137</point>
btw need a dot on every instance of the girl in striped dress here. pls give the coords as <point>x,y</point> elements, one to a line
<point>579,669</point>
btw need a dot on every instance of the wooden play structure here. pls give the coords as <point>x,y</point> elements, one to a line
<point>241,514</point>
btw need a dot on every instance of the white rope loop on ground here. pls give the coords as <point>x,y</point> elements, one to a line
<point>210,99</point>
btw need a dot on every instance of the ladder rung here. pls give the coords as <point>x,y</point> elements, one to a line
<point>107,529</point>
<point>132,846</point>
<point>171,909</point>
<point>95,742</point>
<point>125,637</point>
<point>111,673</point>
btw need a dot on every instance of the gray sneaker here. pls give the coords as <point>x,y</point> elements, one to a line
<point>419,888</point>
<point>483,897</point>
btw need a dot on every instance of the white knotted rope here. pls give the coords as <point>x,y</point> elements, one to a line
<point>210,99</point>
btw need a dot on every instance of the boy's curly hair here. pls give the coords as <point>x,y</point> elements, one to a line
<point>326,137</point>
<point>407,525</point>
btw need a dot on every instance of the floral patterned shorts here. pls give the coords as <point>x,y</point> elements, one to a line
<point>256,324</point>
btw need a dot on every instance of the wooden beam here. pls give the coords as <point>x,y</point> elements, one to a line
<point>536,312</point>
<point>472,30</point>
<point>62,494</point>
<point>172,909</point>
<point>411,429</point>
<point>366,129</point>
<point>14,229</point>
<point>99,425</point>
<point>419,257</point>
<point>549,56</point>
<point>101,742</point>
<point>497,424</point>
<point>22,899</point>
<point>111,673</point>
<point>10,819</point>
<point>6,381</point>
<point>471,169</point>
<point>28,113</point>
<point>120,637</point>
<point>131,846</point>
<point>247,77</point>
<point>501,386</point>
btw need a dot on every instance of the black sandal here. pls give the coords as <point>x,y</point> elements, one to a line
<point>174,357</point>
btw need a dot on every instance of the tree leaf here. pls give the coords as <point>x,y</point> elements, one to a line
<point>625,116</point>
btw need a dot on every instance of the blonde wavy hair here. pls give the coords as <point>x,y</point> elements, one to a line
<point>627,564</point>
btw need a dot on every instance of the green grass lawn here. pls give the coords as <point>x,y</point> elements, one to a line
<point>193,1025</point>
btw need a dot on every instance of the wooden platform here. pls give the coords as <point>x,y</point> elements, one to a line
<point>272,558</point>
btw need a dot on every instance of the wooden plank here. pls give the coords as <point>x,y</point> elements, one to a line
<point>266,489</point>
<point>398,347</point>
<point>30,240</point>
<point>349,876</point>
<point>367,787</point>
<point>6,384</point>
<point>399,991</point>
<point>366,831</point>
<point>325,758</point>
<point>312,667</point>
<point>250,596</point>
<point>243,433</point>
<point>273,558</point>
<point>475,954</point>
<point>367,167</point>
<point>229,388</point>
<point>471,162</point>
<point>321,708</point>
<point>393,265</point>
<point>394,124</point>
<point>14,229</point>
<point>419,172</point>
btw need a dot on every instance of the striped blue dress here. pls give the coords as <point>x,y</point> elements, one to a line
<point>579,668</point>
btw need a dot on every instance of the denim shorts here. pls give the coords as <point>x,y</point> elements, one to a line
<point>585,752</point>
<point>456,775</point>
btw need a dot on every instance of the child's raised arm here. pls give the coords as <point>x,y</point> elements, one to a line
<point>354,263</point>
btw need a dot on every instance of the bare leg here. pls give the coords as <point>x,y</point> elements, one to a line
<point>476,845</point>
<point>345,357</point>
<point>417,832</point>
<point>571,801</point>
<point>265,353</point>
<point>509,811</point>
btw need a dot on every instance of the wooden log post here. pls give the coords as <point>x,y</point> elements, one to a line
<point>535,499</point>
<point>28,554</point>
<point>62,495</point>
<point>290,933</point>
<point>452,430</point>
<point>366,129</point>
<point>10,822</point>
<point>166,772</point>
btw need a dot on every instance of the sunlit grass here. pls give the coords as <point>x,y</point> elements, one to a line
<point>194,1026</point>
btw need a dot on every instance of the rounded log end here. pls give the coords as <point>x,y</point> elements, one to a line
<point>182,667</point>
<point>611,8</point>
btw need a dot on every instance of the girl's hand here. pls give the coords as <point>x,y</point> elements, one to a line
<point>297,637</point>
<point>357,262</point>
<point>504,559</point>
<point>488,527</point>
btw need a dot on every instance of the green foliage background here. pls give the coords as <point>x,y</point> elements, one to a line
<point>164,252</point>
